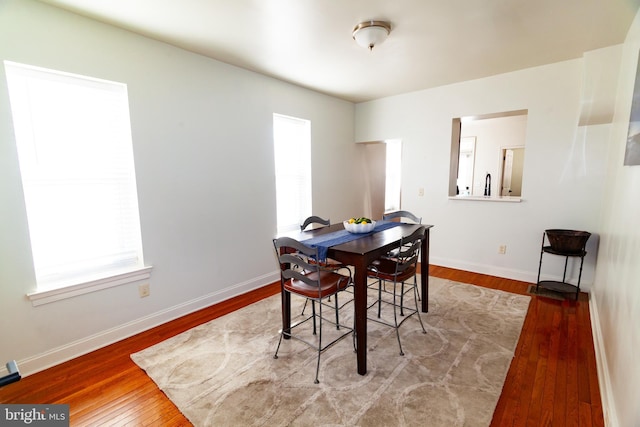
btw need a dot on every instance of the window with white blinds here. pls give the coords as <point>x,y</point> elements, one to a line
<point>76,160</point>
<point>292,149</point>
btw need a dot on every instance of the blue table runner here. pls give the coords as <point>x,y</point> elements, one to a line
<point>325,241</point>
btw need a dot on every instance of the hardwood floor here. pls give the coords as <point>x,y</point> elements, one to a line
<point>552,380</point>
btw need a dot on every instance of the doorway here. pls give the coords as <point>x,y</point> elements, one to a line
<point>382,161</point>
<point>512,165</point>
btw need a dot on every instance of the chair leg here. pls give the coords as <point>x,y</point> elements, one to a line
<point>337,315</point>
<point>313,313</point>
<point>379,296</point>
<point>304,307</point>
<point>395,317</point>
<point>353,335</point>
<point>416,299</point>
<point>275,356</point>
<point>316,381</point>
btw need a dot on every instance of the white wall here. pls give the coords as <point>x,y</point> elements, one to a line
<point>202,135</point>
<point>615,297</point>
<point>564,169</point>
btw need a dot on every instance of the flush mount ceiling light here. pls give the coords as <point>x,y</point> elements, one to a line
<point>371,33</point>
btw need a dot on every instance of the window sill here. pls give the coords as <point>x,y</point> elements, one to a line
<point>44,297</point>
<point>508,199</point>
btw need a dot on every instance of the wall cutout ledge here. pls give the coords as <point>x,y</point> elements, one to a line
<point>506,199</point>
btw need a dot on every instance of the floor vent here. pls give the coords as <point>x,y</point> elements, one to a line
<point>546,293</point>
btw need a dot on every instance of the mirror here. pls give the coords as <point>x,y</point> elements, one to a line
<point>487,155</point>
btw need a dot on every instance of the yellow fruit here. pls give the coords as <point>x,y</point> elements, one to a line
<point>352,220</point>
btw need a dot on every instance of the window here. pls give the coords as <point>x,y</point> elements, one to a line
<point>76,160</point>
<point>292,149</point>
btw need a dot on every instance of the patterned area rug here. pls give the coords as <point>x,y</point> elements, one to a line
<point>223,373</point>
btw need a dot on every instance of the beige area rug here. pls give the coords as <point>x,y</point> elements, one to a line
<point>223,373</point>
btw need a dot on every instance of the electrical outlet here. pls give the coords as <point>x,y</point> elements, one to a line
<point>420,192</point>
<point>502,249</point>
<point>143,290</point>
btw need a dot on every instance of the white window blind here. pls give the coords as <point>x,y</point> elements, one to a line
<point>76,160</point>
<point>292,149</point>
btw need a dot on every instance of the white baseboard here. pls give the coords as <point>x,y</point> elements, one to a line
<point>523,276</point>
<point>61,354</point>
<point>604,380</point>
<point>492,270</point>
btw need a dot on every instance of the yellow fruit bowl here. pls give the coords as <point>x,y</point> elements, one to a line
<point>359,228</point>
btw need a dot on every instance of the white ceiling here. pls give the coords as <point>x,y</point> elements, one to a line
<point>432,42</point>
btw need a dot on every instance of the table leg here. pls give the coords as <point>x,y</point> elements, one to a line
<point>360,308</point>
<point>286,305</point>
<point>286,313</point>
<point>424,275</point>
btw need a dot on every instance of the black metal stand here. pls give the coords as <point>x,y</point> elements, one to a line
<point>555,285</point>
<point>13,376</point>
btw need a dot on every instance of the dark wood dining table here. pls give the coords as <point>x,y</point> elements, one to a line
<point>360,253</point>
